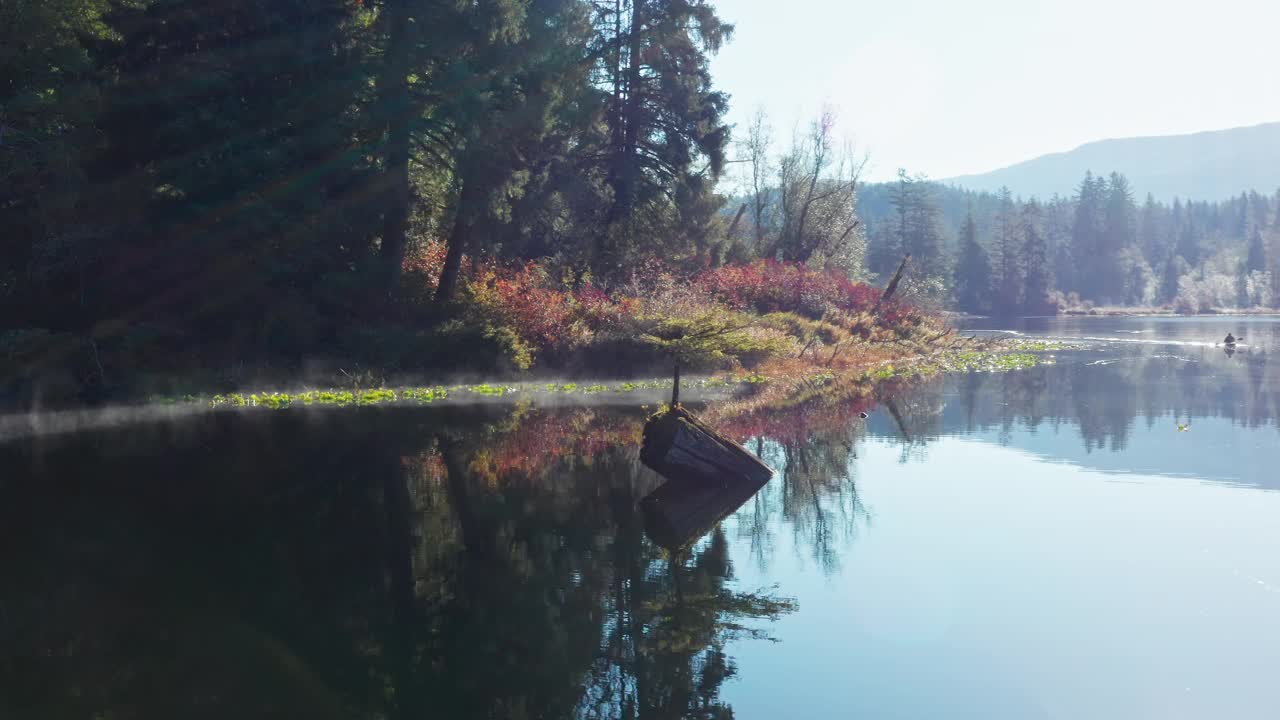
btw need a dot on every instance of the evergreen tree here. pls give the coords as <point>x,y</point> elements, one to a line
<point>1086,236</point>
<point>1118,236</point>
<point>664,115</point>
<point>49,102</point>
<point>1152,235</point>
<point>1058,234</point>
<point>518,77</point>
<point>916,225</point>
<point>1188,245</point>
<point>1259,206</point>
<point>1257,258</point>
<point>884,250</point>
<point>902,197</point>
<point>228,171</point>
<point>1008,244</point>
<point>1169,279</point>
<point>1035,259</point>
<point>1241,227</point>
<point>973,270</point>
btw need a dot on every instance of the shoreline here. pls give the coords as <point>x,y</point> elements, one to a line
<point>1158,312</point>
<point>1124,312</point>
<point>736,393</point>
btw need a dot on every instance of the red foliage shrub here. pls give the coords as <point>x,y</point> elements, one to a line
<point>422,263</point>
<point>767,286</point>
<point>547,317</point>
<point>522,300</point>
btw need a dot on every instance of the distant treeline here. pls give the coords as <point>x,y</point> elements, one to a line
<point>993,252</point>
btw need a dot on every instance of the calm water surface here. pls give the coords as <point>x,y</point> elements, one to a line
<point>1094,538</point>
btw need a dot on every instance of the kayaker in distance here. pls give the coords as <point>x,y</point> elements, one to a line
<point>1230,340</point>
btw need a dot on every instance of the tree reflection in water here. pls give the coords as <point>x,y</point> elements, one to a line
<point>466,563</point>
<point>384,564</point>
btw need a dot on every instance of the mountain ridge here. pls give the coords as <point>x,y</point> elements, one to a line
<point>1204,165</point>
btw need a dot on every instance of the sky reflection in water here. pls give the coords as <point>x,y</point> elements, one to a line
<point>1043,543</point>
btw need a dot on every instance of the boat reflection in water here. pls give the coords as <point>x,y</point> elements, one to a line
<point>684,509</point>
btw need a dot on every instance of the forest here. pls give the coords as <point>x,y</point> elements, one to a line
<point>380,186</point>
<point>389,184</point>
<point>995,253</point>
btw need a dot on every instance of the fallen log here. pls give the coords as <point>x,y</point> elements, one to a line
<point>682,447</point>
<point>678,514</point>
<point>892,286</point>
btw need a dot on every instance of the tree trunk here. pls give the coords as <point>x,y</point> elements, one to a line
<point>733,226</point>
<point>897,418</point>
<point>623,171</point>
<point>675,386</point>
<point>475,539</point>
<point>398,508</point>
<point>459,239</point>
<point>395,104</point>
<point>395,223</point>
<point>893,285</point>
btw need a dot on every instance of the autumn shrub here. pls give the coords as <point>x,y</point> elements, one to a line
<point>686,323</point>
<point>768,286</point>
<point>731,316</point>
<point>421,271</point>
<point>548,318</point>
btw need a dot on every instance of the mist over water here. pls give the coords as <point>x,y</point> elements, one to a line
<point>544,392</point>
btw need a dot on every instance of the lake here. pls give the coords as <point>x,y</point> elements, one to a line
<point>1097,537</point>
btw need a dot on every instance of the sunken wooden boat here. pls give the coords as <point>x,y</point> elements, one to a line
<point>684,449</point>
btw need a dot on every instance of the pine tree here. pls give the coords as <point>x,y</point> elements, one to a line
<point>1118,237</point>
<point>1257,258</point>
<point>902,198</point>
<point>973,270</point>
<point>1259,206</point>
<point>502,108</point>
<point>1188,247</point>
<point>664,116</point>
<point>1058,234</point>
<point>1035,259</point>
<point>1241,228</point>
<point>916,225</point>
<point>1151,233</point>
<point>1086,236</point>
<point>1169,279</point>
<point>884,251</point>
<point>228,167</point>
<point>1008,244</point>
<point>49,106</point>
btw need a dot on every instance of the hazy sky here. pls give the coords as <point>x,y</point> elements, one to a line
<point>949,87</point>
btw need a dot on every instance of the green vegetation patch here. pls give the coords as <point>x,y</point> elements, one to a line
<point>1031,346</point>
<point>281,400</point>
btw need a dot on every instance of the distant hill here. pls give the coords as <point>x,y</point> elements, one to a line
<point>1211,165</point>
